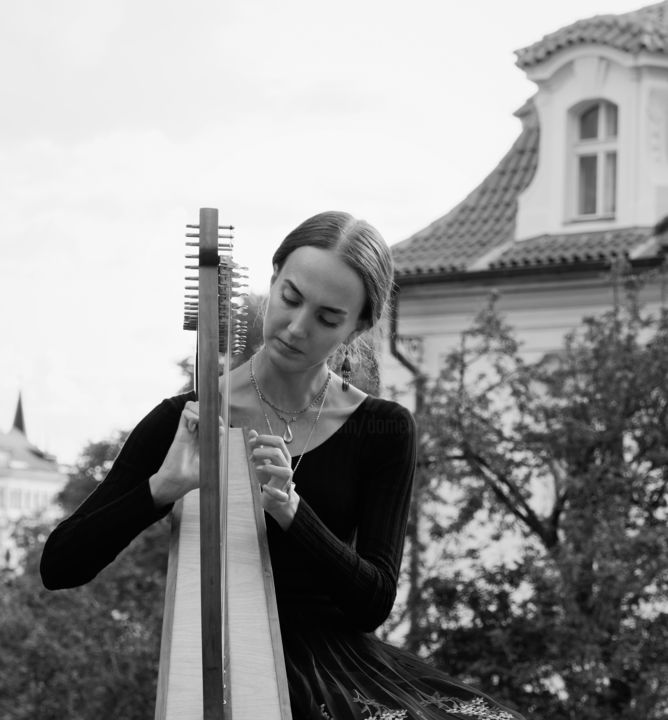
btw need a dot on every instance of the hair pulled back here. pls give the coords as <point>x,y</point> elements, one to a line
<point>358,244</point>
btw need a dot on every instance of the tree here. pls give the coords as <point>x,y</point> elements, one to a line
<point>544,499</point>
<point>90,651</point>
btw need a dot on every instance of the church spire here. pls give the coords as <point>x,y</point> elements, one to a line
<point>19,422</point>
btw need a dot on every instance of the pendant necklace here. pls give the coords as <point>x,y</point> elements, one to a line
<point>322,396</point>
<point>287,417</point>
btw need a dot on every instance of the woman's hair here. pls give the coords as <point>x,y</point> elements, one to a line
<point>358,244</point>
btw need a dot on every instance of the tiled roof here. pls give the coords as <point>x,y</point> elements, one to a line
<point>633,32</point>
<point>479,233</point>
<point>576,248</point>
<point>481,222</point>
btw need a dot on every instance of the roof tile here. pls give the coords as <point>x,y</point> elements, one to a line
<point>572,248</point>
<point>484,220</point>
<point>645,29</point>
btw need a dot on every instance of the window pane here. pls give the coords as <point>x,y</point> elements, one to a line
<point>587,185</point>
<point>589,123</point>
<point>610,120</point>
<point>610,183</point>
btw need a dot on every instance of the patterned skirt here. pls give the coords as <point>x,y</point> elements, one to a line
<point>341,674</point>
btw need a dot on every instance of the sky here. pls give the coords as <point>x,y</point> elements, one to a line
<point>120,119</point>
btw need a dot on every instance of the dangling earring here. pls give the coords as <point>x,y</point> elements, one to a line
<point>345,372</point>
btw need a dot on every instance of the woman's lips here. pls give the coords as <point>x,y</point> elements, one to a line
<point>289,347</point>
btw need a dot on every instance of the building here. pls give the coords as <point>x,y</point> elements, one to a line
<point>585,182</point>
<point>29,482</point>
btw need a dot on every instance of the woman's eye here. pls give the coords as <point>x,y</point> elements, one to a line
<point>288,300</point>
<point>293,301</point>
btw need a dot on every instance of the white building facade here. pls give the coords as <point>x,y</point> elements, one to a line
<point>585,183</point>
<point>30,480</point>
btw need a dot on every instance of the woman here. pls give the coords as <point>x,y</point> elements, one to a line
<point>336,467</point>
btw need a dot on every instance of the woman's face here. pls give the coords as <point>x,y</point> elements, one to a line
<point>314,304</point>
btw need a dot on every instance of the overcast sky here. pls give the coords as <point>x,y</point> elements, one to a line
<point>120,119</point>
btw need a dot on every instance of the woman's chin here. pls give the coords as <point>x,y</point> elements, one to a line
<point>281,356</point>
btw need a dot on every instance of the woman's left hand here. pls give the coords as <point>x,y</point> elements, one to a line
<point>273,464</point>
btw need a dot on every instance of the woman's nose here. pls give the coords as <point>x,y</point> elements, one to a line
<point>299,324</point>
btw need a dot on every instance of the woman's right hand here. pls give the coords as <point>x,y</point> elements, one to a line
<point>179,472</point>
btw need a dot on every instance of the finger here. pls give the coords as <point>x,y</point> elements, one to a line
<point>254,438</point>
<point>274,441</point>
<point>270,454</point>
<point>193,425</point>
<point>288,486</point>
<point>274,451</point>
<point>276,494</point>
<point>267,473</point>
<point>189,419</point>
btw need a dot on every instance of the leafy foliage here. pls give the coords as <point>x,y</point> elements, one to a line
<point>544,487</point>
<point>540,530</point>
<point>90,651</point>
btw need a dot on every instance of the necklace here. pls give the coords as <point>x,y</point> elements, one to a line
<point>322,393</point>
<point>287,417</point>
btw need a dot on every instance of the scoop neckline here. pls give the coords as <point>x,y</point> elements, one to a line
<point>336,432</point>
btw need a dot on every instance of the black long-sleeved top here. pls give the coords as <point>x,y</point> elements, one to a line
<point>340,556</point>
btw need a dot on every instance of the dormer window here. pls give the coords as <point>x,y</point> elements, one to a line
<point>595,161</point>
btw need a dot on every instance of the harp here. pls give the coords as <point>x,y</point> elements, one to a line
<point>221,656</point>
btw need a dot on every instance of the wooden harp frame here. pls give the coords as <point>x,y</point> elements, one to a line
<point>221,655</point>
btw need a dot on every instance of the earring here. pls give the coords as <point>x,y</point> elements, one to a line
<point>345,372</point>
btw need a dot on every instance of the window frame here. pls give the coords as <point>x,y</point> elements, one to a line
<point>605,149</point>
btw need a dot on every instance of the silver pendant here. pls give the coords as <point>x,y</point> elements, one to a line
<point>287,433</point>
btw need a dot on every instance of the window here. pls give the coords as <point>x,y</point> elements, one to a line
<point>595,161</point>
